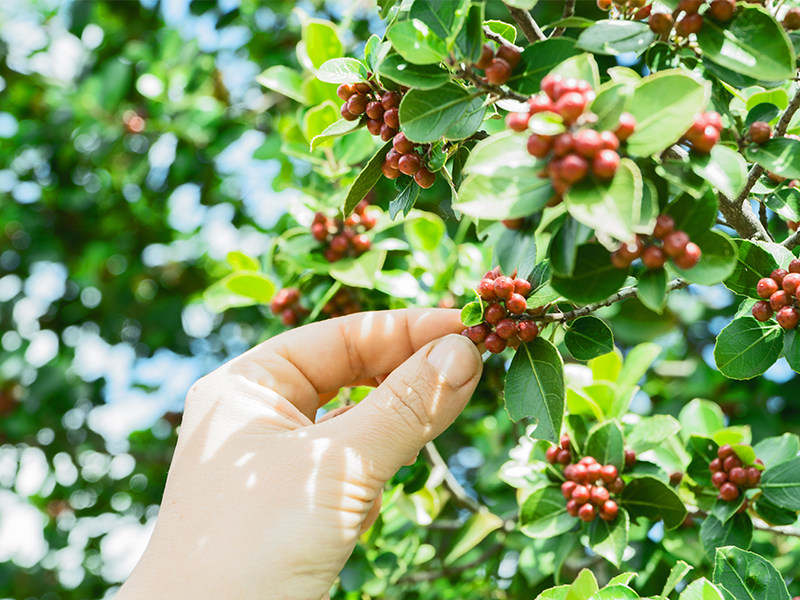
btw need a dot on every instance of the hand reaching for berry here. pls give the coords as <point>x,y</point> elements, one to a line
<point>261,501</point>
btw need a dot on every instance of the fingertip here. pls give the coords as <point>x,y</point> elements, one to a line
<point>457,360</point>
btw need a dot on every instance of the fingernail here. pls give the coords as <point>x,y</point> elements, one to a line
<point>456,358</point>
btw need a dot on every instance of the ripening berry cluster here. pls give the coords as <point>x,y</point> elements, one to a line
<point>782,288</point>
<point>405,158</point>
<point>506,321</point>
<point>690,20</point>
<point>580,151</point>
<point>704,133</point>
<point>344,302</point>
<point>730,476</point>
<point>286,303</point>
<point>675,244</point>
<point>378,106</point>
<point>344,238</point>
<point>589,485</point>
<point>497,66</point>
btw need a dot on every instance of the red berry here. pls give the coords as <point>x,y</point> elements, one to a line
<point>509,54</point>
<point>728,492</point>
<point>766,286</point>
<point>402,144</point>
<point>630,458</point>
<point>725,451</point>
<point>762,311</point>
<point>289,317</point>
<point>562,144</point>
<point>374,126</point>
<point>516,304</point>
<point>357,104</point>
<point>643,13</point>
<point>504,287</point>
<point>389,172</point>
<point>424,178</point>
<point>760,132</point>
<point>506,329</point>
<point>779,300</point>
<point>794,266</point>
<point>391,118</point>
<point>361,243</point>
<point>737,476</point>
<point>345,90</point>
<point>708,139</point>
<point>522,287</point>
<point>571,106</point>
<point>690,256</point>
<point>731,463</point>
<point>715,465</point>
<point>586,513</point>
<point>362,87</point>
<point>374,109</point>
<point>346,114</point>
<point>498,72</point>
<point>478,333</point>
<point>675,243</point>
<point>605,164</point>
<point>390,100</point>
<point>539,145</point>
<point>527,331</point>
<point>610,140</point>
<point>581,494</point>
<point>568,472</point>
<point>719,478</point>
<point>319,231</point>
<point>564,457</point>
<point>494,343</point>
<point>753,476</point>
<point>487,54</point>
<point>552,454</point>
<point>791,283</point>
<point>567,488</point>
<point>626,126</point>
<point>787,317</point>
<point>540,103</point>
<point>660,23</point>
<point>587,142</point>
<point>548,85</point>
<point>494,313</point>
<point>608,473</point>
<point>485,289</point>
<point>599,495</point>
<point>572,508</point>
<point>604,4</point>
<point>580,473</point>
<point>573,168</point>
<point>778,275</point>
<point>616,486</point>
<point>593,472</point>
<point>722,10</point>
<point>675,478</point>
<point>690,6</point>
<point>369,221</point>
<point>387,132</point>
<point>409,164</point>
<point>517,121</point>
<point>565,442</point>
<point>791,19</point>
<point>619,261</point>
<point>588,460</point>
<point>632,250</point>
<point>609,510</point>
<point>664,225</point>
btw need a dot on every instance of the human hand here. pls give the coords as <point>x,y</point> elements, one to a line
<point>263,502</point>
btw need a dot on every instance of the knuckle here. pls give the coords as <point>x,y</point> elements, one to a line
<point>409,401</point>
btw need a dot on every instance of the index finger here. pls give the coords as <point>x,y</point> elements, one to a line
<point>320,358</point>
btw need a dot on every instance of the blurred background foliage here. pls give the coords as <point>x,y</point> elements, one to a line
<point>136,151</point>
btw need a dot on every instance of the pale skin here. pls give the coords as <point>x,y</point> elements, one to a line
<point>261,501</point>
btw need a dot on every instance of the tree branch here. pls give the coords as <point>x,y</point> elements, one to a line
<point>792,241</point>
<point>496,37</point>
<point>467,73</point>
<point>525,21</point>
<point>623,294</point>
<point>569,10</point>
<point>460,495</point>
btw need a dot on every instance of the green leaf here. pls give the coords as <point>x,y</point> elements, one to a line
<point>752,43</point>
<point>588,337</point>
<point>359,272</point>
<point>557,593</point>
<point>615,592</point>
<point>321,41</point>
<point>761,112</point>
<point>342,70</point>
<point>582,66</point>
<point>416,43</point>
<point>503,29</point>
<point>366,179</point>
<point>610,103</point>
<point>676,575</point>
<point>444,17</point>
<point>250,284</point>
<point>468,124</point>
<point>537,60</point>
<point>544,514</point>
<point>724,168</point>
<point>375,52</point>
<point>652,288</point>
<point>636,363</point>
<point>723,510</point>
<point>609,539</point>
<point>284,81</point>
<point>651,432</point>
<point>781,484</point>
<point>594,279</point>
<point>425,232</point>
<point>564,244</point>
<point>523,4</point>
<point>717,261</point>
<point>584,586</point>
<point>569,22</point>
<point>744,575</point>
<point>534,387</point>
<point>701,589</point>
<point>426,115</point>
<point>472,313</point>
<point>746,348</point>
<point>616,37</point>
<point>664,105</point>
<point>423,77</point>
<point>774,515</point>
<point>654,500</point>
<point>405,200</point>
<point>776,450</point>
<point>695,216</point>
<point>469,41</point>
<point>702,450</point>
<point>515,249</point>
<point>614,209</point>
<point>752,263</point>
<point>622,578</point>
<point>785,202</point>
<point>239,261</point>
<point>334,130</point>
<point>318,119</point>
<point>779,155</point>
<point>606,444</point>
<point>737,531</point>
<point>472,533</point>
<point>701,417</point>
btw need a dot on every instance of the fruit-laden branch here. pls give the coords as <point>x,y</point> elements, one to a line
<point>496,37</point>
<point>468,74</point>
<point>569,10</point>
<point>525,21</point>
<point>623,294</point>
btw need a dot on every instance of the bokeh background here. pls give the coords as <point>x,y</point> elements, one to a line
<point>136,151</point>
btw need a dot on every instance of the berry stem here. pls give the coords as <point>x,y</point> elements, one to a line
<point>467,73</point>
<point>569,10</point>
<point>525,21</point>
<point>496,37</point>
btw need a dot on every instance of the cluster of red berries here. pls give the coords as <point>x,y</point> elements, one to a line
<point>404,158</point>
<point>344,302</point>
<point>704,133</point>
<point>730,476</point>
<point>497,66</point>
<point>675,244</point>
<point>589,485</point>
<point>635,9</point>
<point>690,20</point>
<point>286,303</point>
<point>344,238</point>
<point>506,321</point>
<point>782,288</point>
<point>367,100</point>
<point>581,150</point>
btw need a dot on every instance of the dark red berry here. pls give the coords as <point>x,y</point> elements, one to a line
<point>779,299</point>
<point>346,114</point>
<point>357,104</point>
<point>409,164</point>
<point>690,6</point>
<point>478,333</point>
<point>632,250</point>
<point>564,457</point>
<point>630,458</point>
<point>626,126</point>
<point>731,463</point>
<point>509,54</point>
<point>374,110</point>
<point>345,90</point>
<point>581,494</point>
<point>539,145</point>
<point>587,142</point>
<point>522,287</point>
<point>608,473</point>
<point>675,243</point>
<point>715,465</point>
<point>289,317</point>
<point>424,178</point>
<point>616,486</point>
<point>527,331</point>
<point>485,289</point>
<point>390,100</point>
<point>664,226</point>
<point>728,492</point>
<point>653,257</point>
<point>599,495</point>
<point>660,23</point>
<point>791,20</point>
<point>580,473</point>
<point>609,510</point>
<point>791,283</point>
<point>506,329</point>
<point>516,304</point>
<point>690,257</point>
<point>778,275</point>
<point>605,164</point>
<point>794,266</point>
<point>719,478</point>
<point>494,343</point>
<point>564,441</point>
<point>362,87</point>
<point>498,72</point>
<point>787,317</point>
<point>361,243</point>
<point>402,144</point>
<point>389,172</point>
<point>675,478</point>
<point>766,286</point>
<point>487,54</point>
<point>571,106</point>
<point>708,139</point>
<point>391,118</point>
<point>737,476</point>
<point>503,287</point>
<point>725,451</point>
<point>619,261</point>
<point>573,168</point>
<point>753,476</point>
<point>494,313</point>
<point>586,513</point>
<point>760,132</point>
<point>572,508</point>
<point>374,126</point>
<point>567,488</point>
<point>552,454</point>
<point>387,132</point>
<point>762,311</point>
<point>722,10</point>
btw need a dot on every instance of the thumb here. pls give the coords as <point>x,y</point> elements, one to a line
<point>415,403</point>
